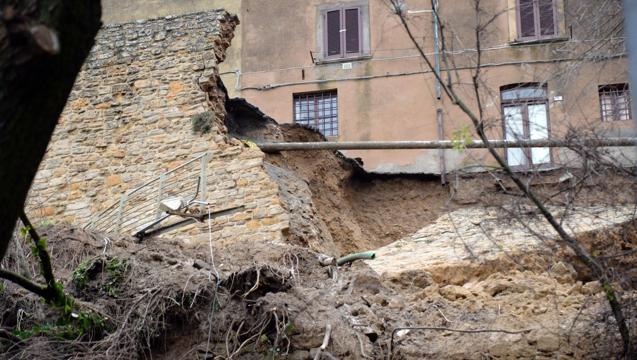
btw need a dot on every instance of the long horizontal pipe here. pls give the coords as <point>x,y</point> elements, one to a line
<point>443,144</point>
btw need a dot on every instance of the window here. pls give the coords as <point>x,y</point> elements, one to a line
<point>525,112</point>
<point>342,29</point>
<point>614,102</point>
<point>536,19</point>
<point>318,110</point>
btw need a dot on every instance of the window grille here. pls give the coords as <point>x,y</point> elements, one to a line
<point>614,102</point>
<point>318,110</point>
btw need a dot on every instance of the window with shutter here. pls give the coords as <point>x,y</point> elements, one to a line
<point>527,18</point>
<point>342,32</point>
<point>352,33</point>
<point>333,26</point>
<point>546,11</point>
<point>536,19</point>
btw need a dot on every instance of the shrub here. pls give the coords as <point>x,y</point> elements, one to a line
<point>202,123</point>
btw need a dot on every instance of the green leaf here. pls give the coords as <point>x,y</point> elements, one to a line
<point>25,230</point>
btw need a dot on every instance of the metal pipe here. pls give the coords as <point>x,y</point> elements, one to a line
<point>441,152</point>
<point>370,255</point>
<point>437,49</point>
<point>630,28</point>
<point>444,144</point>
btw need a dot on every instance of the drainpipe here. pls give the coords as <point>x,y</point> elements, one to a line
<point>441,129</point>
<point>437,48</point>
<point>630,28</point>
<point>441,152</point>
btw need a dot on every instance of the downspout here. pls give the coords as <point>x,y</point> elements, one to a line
<point>630,28</point>
<point>437,48</point>
<point>442,162</point>
<point>441,152</point>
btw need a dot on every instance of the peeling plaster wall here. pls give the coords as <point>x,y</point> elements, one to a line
<point>129,118</point>
<point>390,94</point>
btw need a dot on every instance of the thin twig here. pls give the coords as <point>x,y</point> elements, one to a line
<point>45,259</point>
<point>326,341</point>
<point>256,284</point>
<point>435,328</point>
<point>9,336</point>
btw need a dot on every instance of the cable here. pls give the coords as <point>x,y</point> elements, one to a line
<point>212,255</point>
<point>505,63</point>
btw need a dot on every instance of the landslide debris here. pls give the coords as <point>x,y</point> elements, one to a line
<point>169,299</point>
<point>276,301</point>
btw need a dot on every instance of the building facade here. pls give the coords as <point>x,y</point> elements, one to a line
<point>546,71</point>
<point>349,69</point>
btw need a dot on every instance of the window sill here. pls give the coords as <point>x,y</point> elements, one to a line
<point>342,60</point>
<point>613,121</point>
<point>532,168</point>
<point>523,42</point>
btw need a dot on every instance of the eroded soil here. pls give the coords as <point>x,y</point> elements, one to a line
<point>254,300</point>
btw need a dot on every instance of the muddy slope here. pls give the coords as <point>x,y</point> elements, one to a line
<point>323,190</point>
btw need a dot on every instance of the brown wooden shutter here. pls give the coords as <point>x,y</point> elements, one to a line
<point>333,26</point>
<point>352,34</point>
<point>547,19</point>
<point>527,18</point>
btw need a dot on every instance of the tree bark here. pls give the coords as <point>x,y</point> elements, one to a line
<point>43,44</point>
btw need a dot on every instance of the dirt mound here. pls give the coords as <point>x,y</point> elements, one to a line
<point>164,300</point>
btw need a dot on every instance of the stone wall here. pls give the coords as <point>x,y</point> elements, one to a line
<point>118,11</point>
<point>128,119</point>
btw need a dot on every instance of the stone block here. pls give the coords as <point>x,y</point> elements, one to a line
<point>77,206</point>
<point>113,180</point>
<point>548,343</point>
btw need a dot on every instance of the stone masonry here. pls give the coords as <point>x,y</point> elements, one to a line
<point>128,119</point>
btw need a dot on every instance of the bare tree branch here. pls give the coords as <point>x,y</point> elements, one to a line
<point>477,120</point>
<point>24,282</point>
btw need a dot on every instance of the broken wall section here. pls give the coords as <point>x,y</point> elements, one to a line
<point>128,119</point>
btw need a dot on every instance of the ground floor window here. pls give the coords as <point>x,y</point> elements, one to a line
<point>614,102</point>
<point>318,110</point>
<point>525,115</point>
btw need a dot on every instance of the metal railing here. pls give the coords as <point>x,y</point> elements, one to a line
<point>140,206</point>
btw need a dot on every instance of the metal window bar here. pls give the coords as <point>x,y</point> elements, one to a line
<point>317,110</point>
<point>614,102</point>
<point>140,205</point>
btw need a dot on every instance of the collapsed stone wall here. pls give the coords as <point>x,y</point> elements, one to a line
<point>128,119</point>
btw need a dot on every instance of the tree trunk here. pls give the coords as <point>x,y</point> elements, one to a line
<point>43,44</point>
